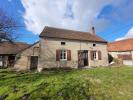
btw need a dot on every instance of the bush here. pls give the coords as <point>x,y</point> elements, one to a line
<point>118,62</point>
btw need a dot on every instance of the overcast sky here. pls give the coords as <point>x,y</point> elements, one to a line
<point>113,19</point>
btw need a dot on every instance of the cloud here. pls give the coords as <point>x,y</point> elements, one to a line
<point>71,14</point>
<point>74,14</point>
<point>129,34</point>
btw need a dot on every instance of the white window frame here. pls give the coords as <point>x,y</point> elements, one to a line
<point>95,55</point>
<point>63,55</point>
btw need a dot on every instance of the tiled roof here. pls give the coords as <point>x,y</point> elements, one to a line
<point>70,34</point>
<point>122,45</point>
<point>12,48</point>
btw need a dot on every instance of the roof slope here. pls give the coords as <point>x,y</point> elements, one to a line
<point>122,45</point>
<point>12,48</point>
<point>69,34</point>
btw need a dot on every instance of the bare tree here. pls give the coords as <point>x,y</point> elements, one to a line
<point>8,27</point>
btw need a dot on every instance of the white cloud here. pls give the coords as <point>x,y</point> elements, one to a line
<point>129,34</point>
<point>81,14</point>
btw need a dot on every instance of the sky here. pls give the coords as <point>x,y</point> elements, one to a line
<point>112,19</point>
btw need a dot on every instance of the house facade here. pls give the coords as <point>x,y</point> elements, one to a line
<point>68,48</point>
<point>123,50</point>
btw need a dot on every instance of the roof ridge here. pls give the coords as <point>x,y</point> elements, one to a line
<point>67,29</point>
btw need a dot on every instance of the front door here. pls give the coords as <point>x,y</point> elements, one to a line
<point>82,58</point>
<point>33,62</point>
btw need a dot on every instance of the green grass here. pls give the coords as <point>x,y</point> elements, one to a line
<point>98,83</point>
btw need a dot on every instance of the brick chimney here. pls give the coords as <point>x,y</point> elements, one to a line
<point>93,30</point>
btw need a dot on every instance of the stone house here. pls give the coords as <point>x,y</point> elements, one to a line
<point>64,48</point>
<point>123,50</point>
<point>8,52</point>
<point>69,48</point>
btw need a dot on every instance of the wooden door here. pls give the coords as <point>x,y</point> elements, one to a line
<point>33,62</point>
<point>11,61</point>
<point>82,58</point>
<point>85,57</point>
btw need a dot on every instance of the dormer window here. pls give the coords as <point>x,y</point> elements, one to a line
<point>63,43</point>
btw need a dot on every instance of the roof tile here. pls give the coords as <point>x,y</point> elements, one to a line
<point>11,48</point>
<point>122,45</point>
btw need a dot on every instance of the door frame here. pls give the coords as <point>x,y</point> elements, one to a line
<point>32,67</point>
<point>83,58</point>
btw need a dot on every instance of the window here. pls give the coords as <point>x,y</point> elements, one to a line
<point>94,45</point>
<point>63,55</point>
<point>63,43</point>
<point>95,57</point>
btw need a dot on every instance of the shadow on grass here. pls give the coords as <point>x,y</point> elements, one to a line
<point>11,77</point>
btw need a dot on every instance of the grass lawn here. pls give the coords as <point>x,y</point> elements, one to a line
<point>87,84</point>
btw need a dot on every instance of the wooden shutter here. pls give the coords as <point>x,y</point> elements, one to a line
<point>99,55</point>
<point>69,55</point>
<point>57,55</point>
<point>125,57</point>
<point>91,54</point>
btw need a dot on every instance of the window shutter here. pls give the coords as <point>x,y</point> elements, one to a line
<point>91,54</point>
<point>125,57</point>
<point>57,55</point>
<point>99,55</point>
<point>69,55</point>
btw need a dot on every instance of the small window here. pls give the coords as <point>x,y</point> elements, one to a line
<point>94,45</point>
<point>63,55</point>
<point>63,43</point>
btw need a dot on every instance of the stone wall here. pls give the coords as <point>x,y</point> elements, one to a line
<point>48,47</point>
